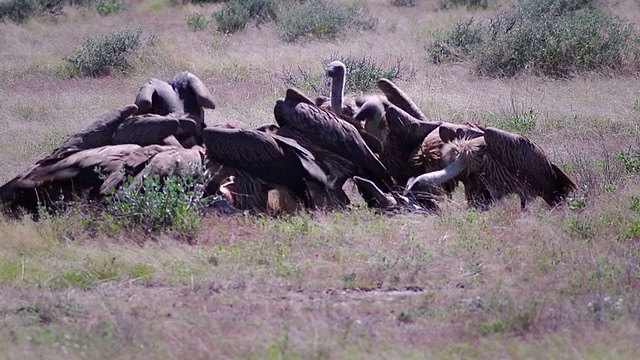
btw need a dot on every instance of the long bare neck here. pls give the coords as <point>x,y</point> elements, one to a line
<point>337,93</point>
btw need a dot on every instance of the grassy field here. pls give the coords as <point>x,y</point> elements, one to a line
<point>558,283</point>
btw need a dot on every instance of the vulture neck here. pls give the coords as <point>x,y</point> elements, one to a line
<point>438,177</point>
<point>337,93</point>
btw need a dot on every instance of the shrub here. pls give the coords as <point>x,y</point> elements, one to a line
<point>404,2</point>
<point>324,19</point>
<point>469,4</point>
<point>20,11</point>
<point>630,160</point>
<point>236,14</point>
<point>556,38</point>
<point>363,74</point>
<point>197,22</point>
<point>17,10</point>
<point>108,7</point>
<point>171,203</point>
<point>101,55</point>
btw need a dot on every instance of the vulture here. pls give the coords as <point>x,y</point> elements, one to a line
<point>117,127</point>
<point>184,95</point>
<point>151,129</point>
<point>398,98</point>
<point>245,192</point>
<point>337,103</point>
<point>158,97</point>
<point>336,144</point>
<point>92,173</point>
<point>358,112</point>
<point>495,165</point>
<point>78,175</point>
<point>99,133</point>
<point>158,160</point>
<point>404,139</point>
<point>273,159</point>
<point>386,202</point>
<point>413,147</point>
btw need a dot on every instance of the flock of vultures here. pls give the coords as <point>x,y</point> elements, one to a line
<point>396,157</point>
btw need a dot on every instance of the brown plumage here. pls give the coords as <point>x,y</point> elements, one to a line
<point>348,110</point>
<point>273,159</point>
<point>158,97</point>
<point>398,98</point>
<point>158,160</point>
<point>372,114</point>
<point>99,133</point>
<point>79,175</point>
<point>93,173</point>
<point>428,156</point>
<point>185,95</point>
<point>497,164</point>
<point>337,145</point>
<point>245,192</point>
<point>405,136</point>
<point>117,127</point>
<point>152,129</point>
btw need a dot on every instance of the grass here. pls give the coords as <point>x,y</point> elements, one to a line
<point>464,284</point>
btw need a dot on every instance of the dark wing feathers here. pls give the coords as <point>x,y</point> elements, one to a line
<point>158,97</point>
<point>326,130</point>
<point>274,159</point>
<point>307,160</point>
<point>72,174</point>
<point>528,162</point>
<point>408,126</point>
<point>398,98</point>
<point>146,130</point>
<point>99,133</point>
<point>266,153</point>
<point>240,147</point>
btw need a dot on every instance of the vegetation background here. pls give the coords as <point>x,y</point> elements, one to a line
<point>561,283</point>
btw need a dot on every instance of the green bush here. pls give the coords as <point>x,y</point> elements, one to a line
<point>630,160</point>
<point>108,7</point>
<point>236,14</point>
<point>324,19</point>
<point>469,4</point>
<point>197,22</point>
<point>102,55</point>
<point>557,38</point>
<point>20,11</point>
<point>363,74</point>
<point>404,2</point>
<point>17,10</point>
<point>158,204</point>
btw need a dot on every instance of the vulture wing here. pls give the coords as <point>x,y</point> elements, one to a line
<point>307,160</point>
<point>260,154</point>
<point>450,131</point>
<point>146,130</point>
<point>529,163</point>
<point>398,98</point>
<point>158,97</point>
<point>98,134</point>
<point>173,161</point>
<point>70,176</point>
<point>133,163</point>
<point>107,158</point>
<point>326,130</point>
